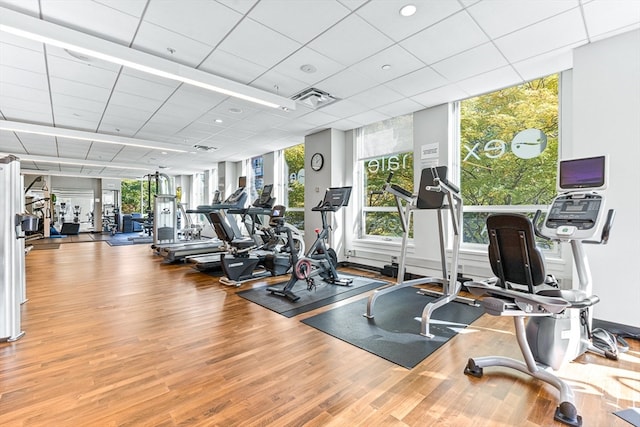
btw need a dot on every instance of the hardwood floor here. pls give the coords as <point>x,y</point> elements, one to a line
<point>116,338</point>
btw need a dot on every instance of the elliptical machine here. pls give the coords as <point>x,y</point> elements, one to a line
<point>319,260</point>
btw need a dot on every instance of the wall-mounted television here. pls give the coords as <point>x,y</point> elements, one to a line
<point>589,173</point>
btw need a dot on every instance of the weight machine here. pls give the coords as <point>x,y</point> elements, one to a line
<point>434,187</point>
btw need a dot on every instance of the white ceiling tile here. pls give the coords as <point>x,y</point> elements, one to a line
<point>350,41</point>
<point>446,38</point>
<point>474,61</point>
<point>385,15</point>
<point>135,102</point>
<point>561,30</point>
<point>242,6</point>
<point>318,118</point>
<point>441,95</point>
<point>9,103</point>
<point>91,18</point>
<point>209,21</point>
<point>167,44</point>
<point>344,108</point>
<point>346,83</point>
<point>42,118</point>
<point>22,58</point>
<point>369,117</point>
<point>416,82</point>
<point>259,44</point>
<point>145,85</point>
<point>275,82</point>
<point>543,65</point>
<point>72,69</point>
<point>376,97</point>
<point>399,108</point>
<point>28,7</point>
<point>78,104</point>
<point>299,20</point>
<point>490,81</point>
<point>130,7</point>
<point>603,17</point>
<point>23,92</point>
<point>400,61</point>
<point>232,67</point>
<point>78,89</point>
<point>515,15</point>
<point>324,67</point>
<point>352,4</point>
<point>25,78</point>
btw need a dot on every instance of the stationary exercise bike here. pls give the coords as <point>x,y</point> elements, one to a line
<point>319,260</point>
<point>559,321</point>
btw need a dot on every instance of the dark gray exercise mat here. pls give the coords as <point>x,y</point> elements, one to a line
<point>394,333</point>
<point>323,294</point>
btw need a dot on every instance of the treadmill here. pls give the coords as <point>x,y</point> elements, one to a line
<point>250,217</point>
<point>180,251</point>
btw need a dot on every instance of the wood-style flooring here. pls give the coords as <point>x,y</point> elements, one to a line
<point>116,338</point>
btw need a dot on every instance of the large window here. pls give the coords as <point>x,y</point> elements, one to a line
<point>383,148</point>
<point>508,153</point>
<point>294,185</point>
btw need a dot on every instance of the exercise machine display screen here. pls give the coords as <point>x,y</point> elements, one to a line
<point>582,174</point>
<point>337,196</point>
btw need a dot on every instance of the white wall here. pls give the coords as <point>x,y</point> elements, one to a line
<point>606,120</point>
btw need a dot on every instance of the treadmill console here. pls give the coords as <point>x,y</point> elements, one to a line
<point>574,216</point>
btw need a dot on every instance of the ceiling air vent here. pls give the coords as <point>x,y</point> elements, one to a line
<point>204,148</point>
<point>314,98</point>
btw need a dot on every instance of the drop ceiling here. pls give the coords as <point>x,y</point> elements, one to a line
<point>61,106</point>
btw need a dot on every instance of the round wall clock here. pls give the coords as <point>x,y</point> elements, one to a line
<point>317,161</point>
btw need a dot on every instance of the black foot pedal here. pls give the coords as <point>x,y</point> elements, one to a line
<point>473,369</point>
<point>567,414</point>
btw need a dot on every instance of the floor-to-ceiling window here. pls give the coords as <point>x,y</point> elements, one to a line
<point>508,145</point>
<point>383,148</point>
<point>294,185</point>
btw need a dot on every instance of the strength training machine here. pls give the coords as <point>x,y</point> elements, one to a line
<point>434,187</point>
<point>559,321</point>
<point>319,260</point>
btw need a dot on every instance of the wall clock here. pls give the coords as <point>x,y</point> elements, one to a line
<point>317,161</point>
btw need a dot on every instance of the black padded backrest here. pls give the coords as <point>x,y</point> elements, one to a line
<point>221,225</point>
<point>431,199</point>
<point>513,254</point>
<point>277,215</point>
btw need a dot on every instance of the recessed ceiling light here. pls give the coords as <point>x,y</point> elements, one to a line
<point>308,68</point>
<point>235,110</point>
<point>218,120</point>
<point>164,152</point>
<point>408,10</point>
<point>386,67</point>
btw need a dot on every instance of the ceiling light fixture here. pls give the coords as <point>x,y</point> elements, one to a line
<point>408,10</point>
<point>48,160</point>
<point>386,67</point>
<point>84,136</point>
<point>46,32</point>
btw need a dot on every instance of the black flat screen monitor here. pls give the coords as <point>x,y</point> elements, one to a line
<point>582,174</point>
<point>265,196</point>
<point>337,196</point>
